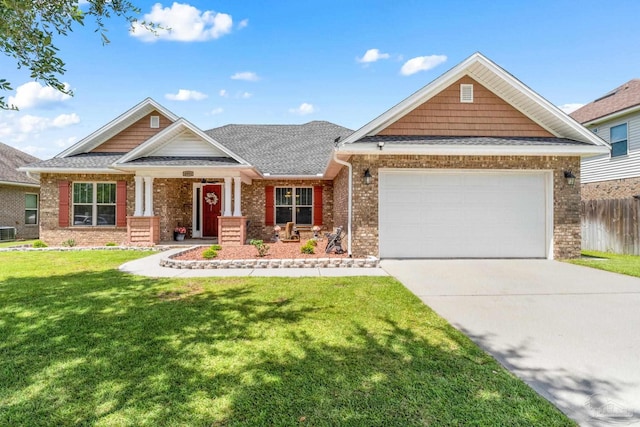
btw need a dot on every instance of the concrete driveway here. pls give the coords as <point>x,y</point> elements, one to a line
<point>572,333</point>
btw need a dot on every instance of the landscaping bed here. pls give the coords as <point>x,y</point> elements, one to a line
<point>278,250</point>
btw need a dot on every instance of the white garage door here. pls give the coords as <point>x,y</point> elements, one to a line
<point>463,214</point>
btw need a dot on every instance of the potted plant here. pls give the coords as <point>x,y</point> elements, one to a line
<point>316,231</point>
<point>179,233</point>
<point>276,230</point>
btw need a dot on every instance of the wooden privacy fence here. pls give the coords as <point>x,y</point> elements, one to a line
<point>611,226</point>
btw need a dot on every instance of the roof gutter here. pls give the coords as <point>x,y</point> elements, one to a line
<point>350,197</point>
<point>19,184</point>
<point>475,150</point>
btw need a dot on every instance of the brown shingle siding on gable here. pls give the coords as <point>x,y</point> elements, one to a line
<point>133,136</point>
<point>445,115</point>
<point>621,98</point>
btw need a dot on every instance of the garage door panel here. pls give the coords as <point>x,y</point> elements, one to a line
<point>462,214</point>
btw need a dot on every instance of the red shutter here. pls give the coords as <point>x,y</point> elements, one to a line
<point>121,204</point>
<point>269,203</point>
<point>317,205</point>
<point>63,203</point>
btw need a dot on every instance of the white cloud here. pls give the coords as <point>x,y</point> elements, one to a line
<point>243,24</point>
<point>216,111</point>
<point>15,127</point>
<point>303,109</point>
<point>33,94</point>
<point>244,95</point>
<point>372,55</point>
<point>65,142</point>
<point>249,76</point>
<point>570,108</point>
<point>186,95</point>
<point>421,63</point>
<point>183,23</point>
<point>223,93</point>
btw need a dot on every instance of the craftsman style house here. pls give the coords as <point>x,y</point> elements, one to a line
<point>475,164</point>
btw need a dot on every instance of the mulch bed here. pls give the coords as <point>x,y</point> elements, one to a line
<point>278,250</point>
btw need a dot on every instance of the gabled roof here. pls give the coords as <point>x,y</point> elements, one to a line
<point>116,126</point>
<point>11,159</point>
<point>285,150</point>
<point>167,135</point>
<point>623,99</point>
<point>501,83</point>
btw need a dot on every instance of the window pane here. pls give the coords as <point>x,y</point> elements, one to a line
<point>619,133</point>
<point>283,196</point>
<point>304,196</point>
<point>82,192</point>
<point>283,215</point>
<point>30,216</point>
<point>31,201</point>
<point>106,215</point>
<point>82,215</point>
<point>619,149</point>
<point>303,216</point>
<point>106,193</point>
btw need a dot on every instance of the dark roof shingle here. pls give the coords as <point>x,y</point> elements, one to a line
<point>282,149</point>
<point>11,159</point>
<point>80,161</point>
<point>621,98</point>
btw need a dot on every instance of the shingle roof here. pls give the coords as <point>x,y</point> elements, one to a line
<point>621,98</point>
<point>182,161</point>
<point>469,140</point>
<point>80,161</point>
<point>282,149</point>
<point>11,159</point>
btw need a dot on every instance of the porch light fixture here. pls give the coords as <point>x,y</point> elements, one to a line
<point>570,177</point>
<point>203,181</point>
<point>380,145</point>
<point>367,177</point>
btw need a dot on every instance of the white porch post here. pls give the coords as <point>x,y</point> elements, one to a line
<point>227,196</point>
<point>139,202</point>
<point>237,185</point>
<point>148,196</point>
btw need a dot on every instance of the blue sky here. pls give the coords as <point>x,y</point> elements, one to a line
<point>297,61</point>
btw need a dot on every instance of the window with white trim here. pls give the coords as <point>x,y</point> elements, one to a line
<point>94,203</point>
<point>30,209</point>
<point>618,140</point>
<point>294,204</point>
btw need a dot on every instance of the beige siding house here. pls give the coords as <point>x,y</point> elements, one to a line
<point>475,164</point>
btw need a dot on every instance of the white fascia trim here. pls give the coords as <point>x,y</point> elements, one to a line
<point>182,167</point>
<point>305,177</point>
<point>156,142</point>
<point>87,141</point>
<point>453,75</point>
<point>613,115</point>
<point>72,170</point>
<point>19,184</point>
<point>466,150</point>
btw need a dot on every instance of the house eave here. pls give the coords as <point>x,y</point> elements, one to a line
<point>71,170</point>
<point>466,150</point>
<point>19,184</point>
<point>268,176</point>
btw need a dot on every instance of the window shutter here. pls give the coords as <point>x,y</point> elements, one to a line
<point>317,205</point>
<point>63,203</point>
<point>269,203</point>
<point>121,204</point>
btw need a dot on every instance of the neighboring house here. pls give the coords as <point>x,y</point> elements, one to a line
<point>471,165</point>
<point>614,117</point>
<point>19,194</point>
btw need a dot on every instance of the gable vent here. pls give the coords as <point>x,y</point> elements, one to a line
<point>155,122</point>
<point>466,93</point>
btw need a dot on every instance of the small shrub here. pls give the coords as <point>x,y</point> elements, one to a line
<point>308,248</point>
<point>69,243</point>
<point>110,244</point>
<point>260,247</point>
<point>216,247</point>
<point>311,242</point>
<point>210,253</point>
<point>39,244</point>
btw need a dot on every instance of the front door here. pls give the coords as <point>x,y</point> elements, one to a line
<point>211,209</point>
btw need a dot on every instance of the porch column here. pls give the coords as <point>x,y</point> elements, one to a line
<point>148,196</point>
<point>237,184</point>
<point>227,197</point>
<point>139,202</point>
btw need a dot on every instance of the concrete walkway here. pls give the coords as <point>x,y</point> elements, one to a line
<point>150,267</point>
<point>572,333</point>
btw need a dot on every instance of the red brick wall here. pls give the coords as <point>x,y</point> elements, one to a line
<point>614,189</point>
<point>12,210</point>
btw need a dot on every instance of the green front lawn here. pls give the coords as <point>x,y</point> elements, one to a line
<point>623,264</point>
<point>85,344</point>
<point>14,243</point>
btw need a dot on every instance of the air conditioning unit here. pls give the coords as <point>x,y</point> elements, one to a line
<point>7,233</point>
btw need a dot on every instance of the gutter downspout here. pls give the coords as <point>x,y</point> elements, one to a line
<point>348,165</point>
